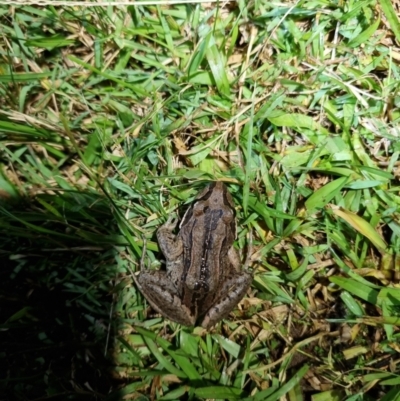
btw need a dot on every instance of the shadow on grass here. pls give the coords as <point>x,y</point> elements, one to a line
<point>59,272</point>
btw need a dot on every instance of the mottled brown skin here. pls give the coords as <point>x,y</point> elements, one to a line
<point>203,281</point>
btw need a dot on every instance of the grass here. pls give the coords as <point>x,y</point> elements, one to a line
<point>114,117</point>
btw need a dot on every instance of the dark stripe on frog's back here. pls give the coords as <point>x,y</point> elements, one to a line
<point>211,219</point>
<point>209,226</point>
<point>200,300</point>
<point>210,298</point>
<point>189,299</point>
<point>187,261</point>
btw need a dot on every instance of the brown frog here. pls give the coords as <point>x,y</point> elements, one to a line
<point>203,281</point>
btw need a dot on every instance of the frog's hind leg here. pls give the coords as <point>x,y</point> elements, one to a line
<point>162,295</point>
<point>232,292</point>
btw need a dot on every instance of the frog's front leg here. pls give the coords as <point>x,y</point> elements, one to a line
<point>170,244</point>
<point>233,290</point>
<point>162,295</point>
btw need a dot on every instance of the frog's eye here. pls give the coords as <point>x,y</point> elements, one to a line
<point>227,216</point>
<point>199,209</point>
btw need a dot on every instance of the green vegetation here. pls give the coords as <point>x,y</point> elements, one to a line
<point>114,117</point>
